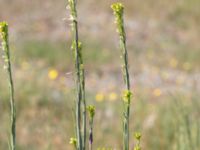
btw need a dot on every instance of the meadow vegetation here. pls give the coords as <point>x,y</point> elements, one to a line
<point>162,41</point>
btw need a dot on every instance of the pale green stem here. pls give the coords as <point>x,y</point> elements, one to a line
<point>79,92</point>
<point>127,83</point>
<point>6,49</point>
<point>118,12</point>
<point>80,80</point>
<point>78,73</point>
<point>91,134</point>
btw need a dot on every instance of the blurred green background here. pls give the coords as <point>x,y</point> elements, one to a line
<point>164,54</point>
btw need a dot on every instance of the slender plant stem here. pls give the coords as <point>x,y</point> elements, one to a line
<point>118,10</point>
<point>91,112</point>
<point>127,83</point>
<point>91,134</point>
<point>84,105</point>
<point>5,46</point>
<point>72,5</point>
<point>80,80</point>
<point>79,93</point>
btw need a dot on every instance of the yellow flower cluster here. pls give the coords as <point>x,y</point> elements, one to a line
<point>73,141</point>
<point>173,62</point>
<point>157,92</point>
<point>127,96</point>
<point>3,30</point>
<point>137,137</point>
<point>117,8</point>
<point>110,96</point>
<point>53,74</point>
<point>99,97</point>
<point>91,111</point>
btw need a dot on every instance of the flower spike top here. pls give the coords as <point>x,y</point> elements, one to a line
<point>118,11</point>
<point>4,30</point>
<point>91,111</point>
<point>72,6</point>
<point>118,8</point>
<point>4,43</point>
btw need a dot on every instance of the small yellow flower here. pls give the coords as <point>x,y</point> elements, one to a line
<point>53,74</point>
<point>117,7</point>
<point>138,135</point>
<point>91,111</point>
<point>73,141</point>
<point>127,96</point>
<point>157,92</point>
<point>99,97</point>
<point>4,30</point>
<point>137,147</point>
<point>173,63</point>
<point>112,96</point>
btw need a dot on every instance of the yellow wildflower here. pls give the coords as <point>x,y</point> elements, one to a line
<point>173,63</point>
<point>99,97</point>
<point>112,96</point>
<point>53,74</point>
<point>73,141</point>
<point>127,96</point>
<point>157,92</point>
<point>138,135</point>
<point>91,111</point>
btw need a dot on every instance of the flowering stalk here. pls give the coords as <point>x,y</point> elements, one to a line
<point>5,47</point>
<point>80,79</point>
<point>118,10</point>
<point>138,138</point>
<point>91,112</point>
<point>73,141</point>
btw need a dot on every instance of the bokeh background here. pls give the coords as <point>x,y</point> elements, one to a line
<point>164,54</point>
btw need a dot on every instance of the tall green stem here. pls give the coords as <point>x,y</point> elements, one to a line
<point>73,16</point>
<point>80,80</point>
<point>118,10</point>
<point>5,47</point>
<point>84,105</point>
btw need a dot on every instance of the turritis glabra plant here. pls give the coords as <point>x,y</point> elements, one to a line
<point>118,10</point>
<point>80,80</point>
<point>6,57</point>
